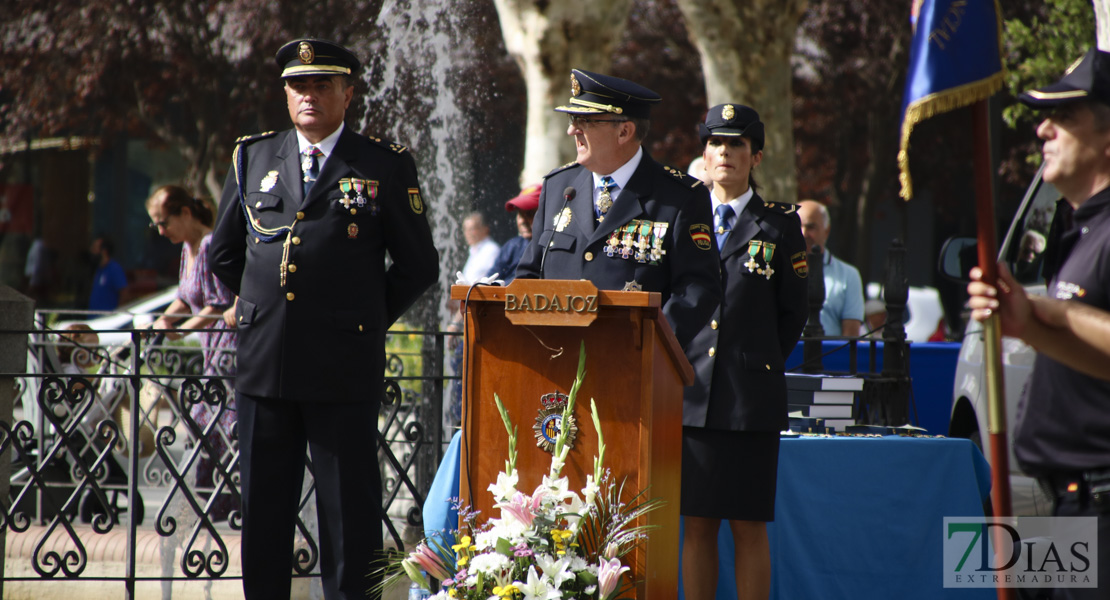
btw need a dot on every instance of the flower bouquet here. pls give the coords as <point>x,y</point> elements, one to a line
<point>553,543</point>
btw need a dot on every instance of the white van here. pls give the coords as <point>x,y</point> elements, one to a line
<point>1022,251</point>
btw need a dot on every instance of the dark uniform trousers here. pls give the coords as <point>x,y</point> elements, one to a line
<point>671,213</point>
<point>315,301</point>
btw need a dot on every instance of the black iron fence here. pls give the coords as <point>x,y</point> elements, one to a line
<point>138,438</point>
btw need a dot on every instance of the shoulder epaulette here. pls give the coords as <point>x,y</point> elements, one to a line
<point>682,176</point>
<point>560,169</point>
<point>391,146</point>
<point>257,136</point>
<point>785,208</point>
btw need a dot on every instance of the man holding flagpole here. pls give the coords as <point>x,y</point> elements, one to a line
<point>1062,434</point>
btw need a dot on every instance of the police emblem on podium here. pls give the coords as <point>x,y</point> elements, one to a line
<point>549,422</point>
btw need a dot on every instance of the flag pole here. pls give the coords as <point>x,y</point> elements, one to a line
<point>992,331</point>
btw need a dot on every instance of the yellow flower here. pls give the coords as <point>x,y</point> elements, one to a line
<point>464,544</point>
<point>453,593</point>
<point>463,560</point>
<point>506,591</point>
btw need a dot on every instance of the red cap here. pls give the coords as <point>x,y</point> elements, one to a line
<point>529,199</point>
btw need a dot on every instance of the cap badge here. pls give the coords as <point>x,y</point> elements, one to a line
<point>269,181</point>
<point>727,113</point>
<point>306,53</point>
<point>575,87</point>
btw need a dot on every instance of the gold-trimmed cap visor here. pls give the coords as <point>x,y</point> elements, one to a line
<point>303,57</point>
<point>594,93</point>
<point>1088,77</point>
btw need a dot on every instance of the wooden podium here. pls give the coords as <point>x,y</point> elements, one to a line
<point>523,342</point>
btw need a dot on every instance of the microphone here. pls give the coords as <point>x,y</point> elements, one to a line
<point>568,194</point>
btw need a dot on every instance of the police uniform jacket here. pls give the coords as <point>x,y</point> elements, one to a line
<point>315,329</point>
<point>1063,421</point>
<point>738,357</point>
<point>660,207</point>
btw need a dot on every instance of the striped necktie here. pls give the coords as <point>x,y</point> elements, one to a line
<point>310,165</point>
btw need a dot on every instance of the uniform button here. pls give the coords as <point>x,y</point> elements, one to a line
<point>300,215</point>
<point>240,318</point>
<point>258,204</point>
<point>712,351</point>
<point>296,241</point>
<point>768,367</point>
<point>713,324</point>
<point>589,256</point>
<point>354,211</point>
<point>290,296</point>
<point>256,240</point>
<point>1085,230</point>
<point>292,268</point>
<point>360,327</point>
<point>551,244</point>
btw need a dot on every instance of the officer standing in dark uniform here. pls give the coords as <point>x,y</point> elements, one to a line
<point>620,219</point>
<point>306,220</point>
<point>1062,432</point>
<point>734,411</point>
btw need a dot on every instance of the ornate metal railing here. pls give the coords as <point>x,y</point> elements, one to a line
<point>135,438</point>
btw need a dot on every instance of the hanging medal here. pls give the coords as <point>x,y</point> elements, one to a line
<point>359,185</point>
<point>657,250</point>
<point>643,241</point>
<point>626,239</point>
<point>753,251</point>
<point>345,187</point>
<point>768,253</point>
<point>613,243</point>
<point>372,191</point>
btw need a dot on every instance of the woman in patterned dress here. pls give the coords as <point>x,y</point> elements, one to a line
<point>179,217</point>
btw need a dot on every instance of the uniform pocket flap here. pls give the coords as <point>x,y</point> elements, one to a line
<point>244,312</point>
<point>763,361</point>
<point>352,320</point>
<point>263,201</point>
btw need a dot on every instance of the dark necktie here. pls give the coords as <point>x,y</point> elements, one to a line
<point>723,225</point>
<point>310,165</point>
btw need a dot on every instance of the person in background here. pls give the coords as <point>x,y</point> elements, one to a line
<point>1062,429</point>
<point>109,279</point>
<point>874,314</point>
<point>525,205</point>
<point>483,250</point>
<point>186,220</point>
<point>842,313</point>
<point>734,411</point>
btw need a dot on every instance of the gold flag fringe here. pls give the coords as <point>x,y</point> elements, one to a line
<point>935,104</point>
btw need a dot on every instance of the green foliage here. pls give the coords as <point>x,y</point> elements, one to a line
<point>1039,50</point>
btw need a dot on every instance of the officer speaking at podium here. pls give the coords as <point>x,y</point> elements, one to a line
<point>618,218</point>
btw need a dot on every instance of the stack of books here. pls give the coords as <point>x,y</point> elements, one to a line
<point>828,397</point>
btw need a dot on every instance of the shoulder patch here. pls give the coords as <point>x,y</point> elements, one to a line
<point>784,208</point>
<point>246,139</point>
<point>561,169</point>
<point>391,146</point>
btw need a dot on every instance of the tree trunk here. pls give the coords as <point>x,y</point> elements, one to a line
<point>745,48</point>
<point>547,39</point>
<point>1102,24</point>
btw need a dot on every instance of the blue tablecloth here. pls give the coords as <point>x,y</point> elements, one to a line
<point>932,369</point>
<point>854,518</point>
<point>862,518</point>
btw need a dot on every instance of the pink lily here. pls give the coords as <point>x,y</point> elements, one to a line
<point>431,562</point>
<point>518,508</point>
<point>608,576</point>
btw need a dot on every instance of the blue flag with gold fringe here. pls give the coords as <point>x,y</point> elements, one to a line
<point>955,60</point>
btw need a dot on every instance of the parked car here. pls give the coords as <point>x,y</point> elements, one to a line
<point>138,313</point>
<point>1022,251</point>
<point>924,312</point>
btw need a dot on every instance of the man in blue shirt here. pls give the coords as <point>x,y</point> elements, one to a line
<point>525,205</point>
<point>109,278</point>
<point>842,313</point>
